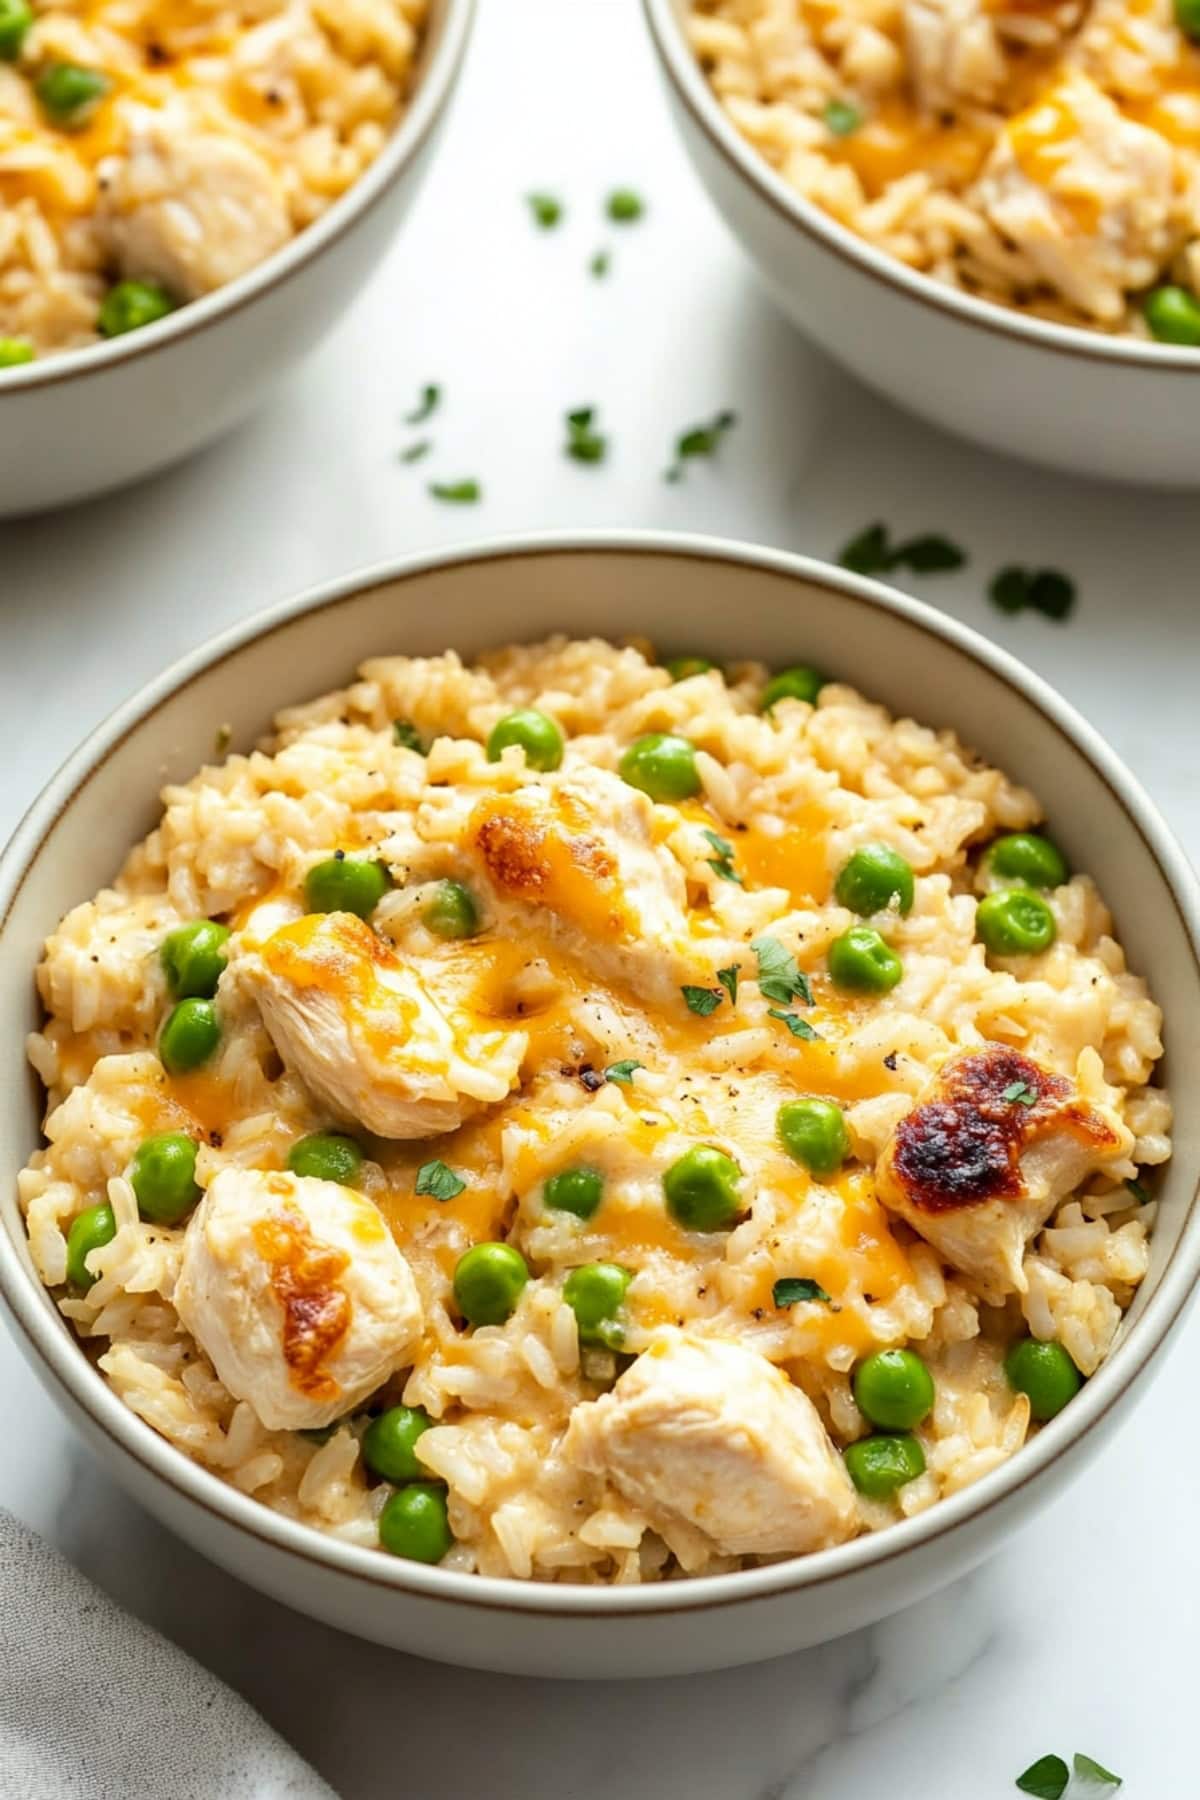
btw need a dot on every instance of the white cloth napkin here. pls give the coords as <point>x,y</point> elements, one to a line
<point>94,1705</point>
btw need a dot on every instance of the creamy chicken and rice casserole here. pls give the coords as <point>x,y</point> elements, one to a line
<point>1044,154</point>
<point>153,150</point>
<point>577,1119</point>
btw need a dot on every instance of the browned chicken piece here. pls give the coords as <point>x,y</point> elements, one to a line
<point>982,1160</point>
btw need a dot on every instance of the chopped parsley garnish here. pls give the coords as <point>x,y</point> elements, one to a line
<point>1021,1093</point>
<point>842,118</point>
<point>622,1072</point>
<point>441,1183</point>
<point>426,406</point>
<point>583,443</point>
<point>222,738</point>
<point>600,264</point>
<point>1141,1194</point>
<point>623,206</point>
<point>458,493</point>
<point>318,1434</point>
<point>547,210</point>
<point>699,440</point>
<point>416,451</point>
<point>1047,1778</point>
<point>728,979</point>
<point>790,1290</point>
<point>722,863</point>
<point>799,1028</point>
<point>701,1000</point>
<point>405,733</point>
<point>1048,591</point>
<point>1087,1769</point>
<point>779,977</point>
<point>872,553</point>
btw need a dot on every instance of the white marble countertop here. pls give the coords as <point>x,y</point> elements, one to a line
<point>1080,1635</point>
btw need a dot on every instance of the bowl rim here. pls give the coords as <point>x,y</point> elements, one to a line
<point>682,68</point>
<point>439,59</point>
<point>49,1343</point>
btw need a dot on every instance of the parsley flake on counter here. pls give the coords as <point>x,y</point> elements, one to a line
<point>699,440</point>
<point>799,1028</point>
<point>600,264</point>
<point>622,1072</point>
<point>426,406</point>
<point>790,1290</point>
<point>584,444</point>
<point>722,863</point>
<point>547,210</point>
<point>1046,1778</point>
<point>457,493</point>
<point>438,1181</point>
<point>1021,1093</point>
<point>623,206</point>
<point>1048,591</point>
<point>728,979</point>
<point>841,118</point>
<point>1087,1769</point>
<point>873,553</point>
<point>701,1000</point>
<point>416,451</point>
<point>779,976</point>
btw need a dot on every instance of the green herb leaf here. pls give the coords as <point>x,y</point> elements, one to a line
<point>842,118</point>
<point>779,976</point>
<point>1046,1778</point>
<point>547,210</point>
<point>1021,1093</point>
<point>869,553</point>
<point>623,206</point>
<point>416,451</point>
<point>404,733</point>
<point>1008,589</point>
<point>1141,1194</point>
<point>790,1290</point>
<point>699,440</point>
<point>622,1072</point>
<point>728,979</point>
<point>441,1183</point>
<point>584,444</point>
<point>722,863</point>
<point>1087,1769</point>
<point>1048,591</point>
<point>701,1000</point>
<point>318,1434</point>
<point>426,406</point>
<point>799,1028</point>
<point>928,555</point>
<point>600,264</point>
<point>222,738</point>
<point>458,493</point>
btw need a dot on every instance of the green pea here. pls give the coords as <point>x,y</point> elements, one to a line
<point>577,1191</point>
<point>538,736</point>
<point>862,963</point>
<point>390,1441</point>
<point>701,1189</point>
<point>193,958</point>
<point>189,1036</point>
<point>1026,857</point>
<point>894,1389</point>
<point>1187,17</point>
<point>163,1177</point>
<point>879,1465</point>
<point>451,912</point>
<point>1172,313</point>
<point>680,668</point>
<point>327,1155</point>
<point>93,1227</point>
<point>15,351</point>
<point>353,884</point>
<point>872,879</point>
<point>798,683</point>
<point>813,1132</point>
<point>130,305</point>
<point>415,1524</point>
<point>16,16</point>
<point>1015,922</point>
<point>1044,1371</point>
<point>488,1283</point>
<point>69,94</point>
<point>662,765</point>
<point>596,1293</point>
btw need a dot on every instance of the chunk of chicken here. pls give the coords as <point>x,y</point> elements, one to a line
<point>362,1029</point>
<point>580,850</point>
<point>954,53</point>
<point>982,1160</point>
<point>1091,198</point>
<point>714,1435</point>
<point>296,1292</point>
<point>187,208</point>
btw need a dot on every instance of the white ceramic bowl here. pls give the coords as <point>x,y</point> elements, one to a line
<point>1054,394</point>
<point>688,594</point>
<point>93,419</point>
